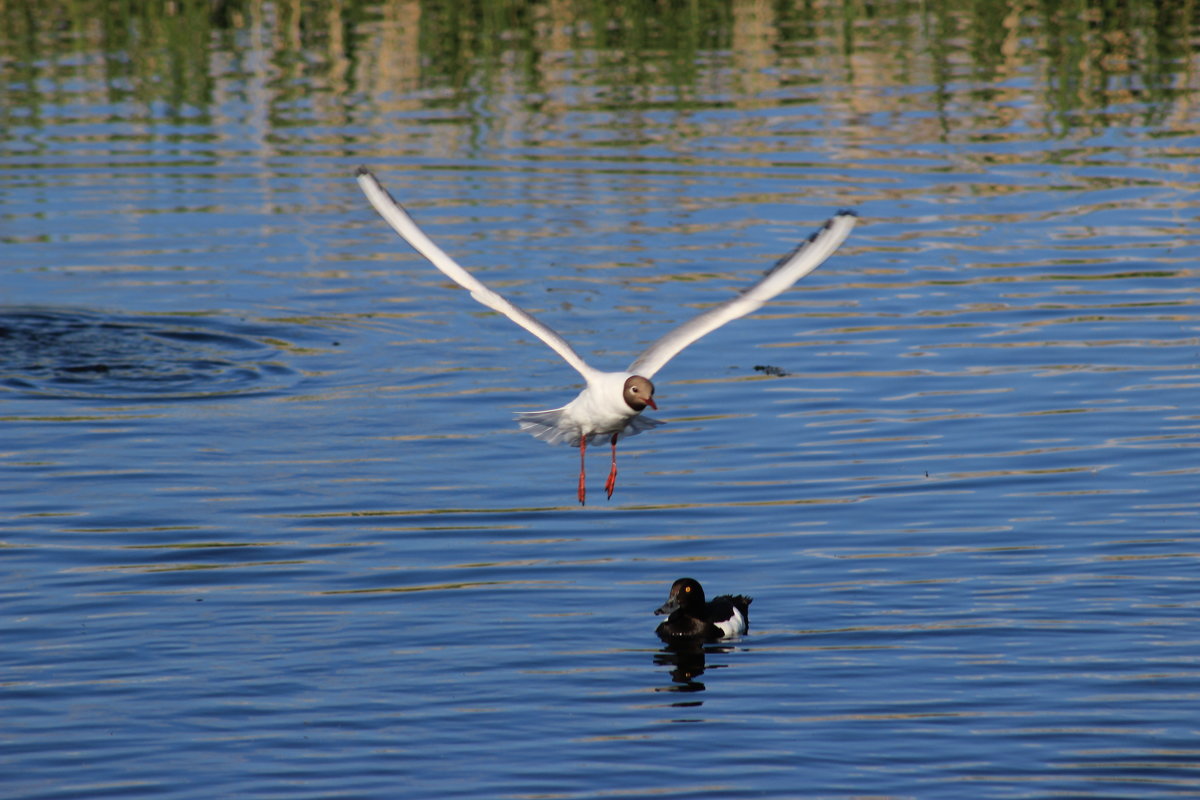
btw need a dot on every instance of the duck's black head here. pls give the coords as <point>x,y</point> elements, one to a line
<point>685,593</point>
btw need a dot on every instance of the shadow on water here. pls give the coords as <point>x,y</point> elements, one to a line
<point>68,353</point>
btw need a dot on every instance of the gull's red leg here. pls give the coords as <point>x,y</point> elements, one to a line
<point>611,483</point>
<point>582,485</point>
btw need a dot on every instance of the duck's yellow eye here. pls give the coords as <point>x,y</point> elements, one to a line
<point>687,588</point>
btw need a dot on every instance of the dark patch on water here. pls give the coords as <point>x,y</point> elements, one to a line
<point>79,354</point>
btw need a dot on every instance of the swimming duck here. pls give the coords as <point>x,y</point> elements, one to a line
<point>692,618</point>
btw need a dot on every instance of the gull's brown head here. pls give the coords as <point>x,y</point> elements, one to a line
<point>639,393</point>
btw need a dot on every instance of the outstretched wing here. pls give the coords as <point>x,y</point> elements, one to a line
<point>791,268</point>
<point>404,225</point>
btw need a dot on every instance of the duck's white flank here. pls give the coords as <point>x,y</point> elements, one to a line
<point>734,626</point>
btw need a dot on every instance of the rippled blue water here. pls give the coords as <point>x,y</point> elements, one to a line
<point>268,529</point>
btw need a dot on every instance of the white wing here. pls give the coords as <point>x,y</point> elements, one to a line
<point>403,224</point>
<point>791,268</point>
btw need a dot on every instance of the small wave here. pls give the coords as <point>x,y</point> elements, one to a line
<point>57,353</point>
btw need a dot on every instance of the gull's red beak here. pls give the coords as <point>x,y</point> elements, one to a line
<point>650,402</point>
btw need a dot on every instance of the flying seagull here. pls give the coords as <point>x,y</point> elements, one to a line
<point>610,406</point>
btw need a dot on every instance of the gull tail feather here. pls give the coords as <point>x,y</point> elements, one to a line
<point>545,425</point>
<point>637,425</point>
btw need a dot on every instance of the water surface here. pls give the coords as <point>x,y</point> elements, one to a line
<point>270,531</point>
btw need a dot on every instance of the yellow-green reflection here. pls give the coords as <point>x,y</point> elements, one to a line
<point>1096,63</point>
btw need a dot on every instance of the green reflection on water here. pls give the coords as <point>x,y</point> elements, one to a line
<point>1098,63</point>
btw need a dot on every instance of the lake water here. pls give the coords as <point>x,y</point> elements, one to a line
<point>268,530</point>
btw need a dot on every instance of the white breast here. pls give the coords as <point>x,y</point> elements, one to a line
<point>601,407</point>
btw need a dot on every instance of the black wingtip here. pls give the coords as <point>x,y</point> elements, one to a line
<point>841,212</point>
<point>812,237</point>
<point>362,171</point>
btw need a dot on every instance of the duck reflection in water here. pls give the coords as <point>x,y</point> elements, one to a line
<point>692,625</point>
<point>687,661</point>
